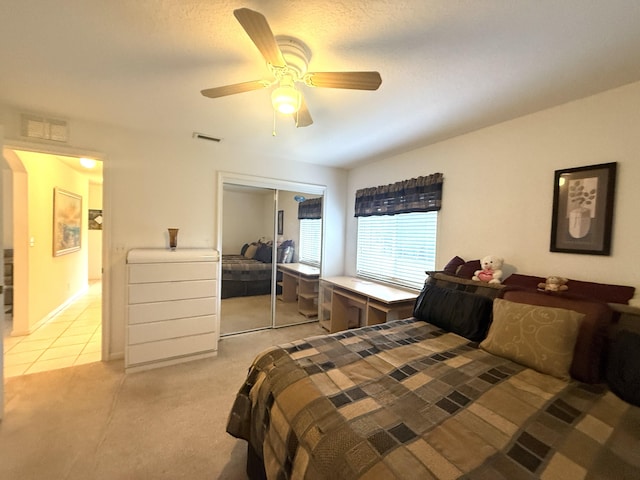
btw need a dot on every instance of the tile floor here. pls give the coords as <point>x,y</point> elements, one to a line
<point>72,337</point>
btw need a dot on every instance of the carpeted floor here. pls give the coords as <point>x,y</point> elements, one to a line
<point>240,314</point>
<point>96,422</point>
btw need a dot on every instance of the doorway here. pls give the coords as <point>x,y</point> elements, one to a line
<point>258,233</point>
<point>55,316</point>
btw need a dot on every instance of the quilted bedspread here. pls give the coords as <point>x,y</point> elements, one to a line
<point>407,400</point>
<point>238,267</point>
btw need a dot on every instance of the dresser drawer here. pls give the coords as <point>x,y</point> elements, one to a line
<point>157,311</point>
<point>168,291</point>
<point>172,272</point>
<point>171,329</point>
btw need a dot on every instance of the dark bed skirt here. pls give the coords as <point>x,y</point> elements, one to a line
<point>249,288</point>
<point>238,288</point>
<point>255,465</point>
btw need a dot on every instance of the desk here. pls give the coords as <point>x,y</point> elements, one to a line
<point>350,302</point>
<point>300,284</point>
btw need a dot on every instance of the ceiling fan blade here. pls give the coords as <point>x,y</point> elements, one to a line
<point>260,33</point>
<point>235,88</point>
<point>353,80</point>
<point>303,117</point>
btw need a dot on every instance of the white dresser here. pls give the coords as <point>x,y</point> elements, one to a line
<point>172,306</point>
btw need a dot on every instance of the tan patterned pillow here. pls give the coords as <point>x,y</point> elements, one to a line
<point>542,338</point>
<point>251,251</point>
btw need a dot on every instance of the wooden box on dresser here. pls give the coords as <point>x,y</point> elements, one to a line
<point>172,306</point>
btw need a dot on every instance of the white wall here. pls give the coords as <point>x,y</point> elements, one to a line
<point>247,216</point>
<point>498,187</point>
<point>155,181</point>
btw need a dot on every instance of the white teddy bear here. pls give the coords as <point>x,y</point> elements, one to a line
<point>491,270</point>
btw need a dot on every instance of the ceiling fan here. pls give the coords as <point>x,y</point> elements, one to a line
<point>287,59</point>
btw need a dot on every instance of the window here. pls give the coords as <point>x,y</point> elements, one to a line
<point>309,248</point>
<point>397,249</point>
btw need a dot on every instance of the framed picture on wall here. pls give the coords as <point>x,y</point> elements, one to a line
<point>95,219</point>
<point>280,222</point>
<point>583,209</point>
<point>67,222</point>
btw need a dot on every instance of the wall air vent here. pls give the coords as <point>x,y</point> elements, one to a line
<point>203,136</point>
<point>43,128</point>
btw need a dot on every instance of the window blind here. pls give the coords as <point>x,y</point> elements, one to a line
<point>310,237</point>
<point>397,249</point>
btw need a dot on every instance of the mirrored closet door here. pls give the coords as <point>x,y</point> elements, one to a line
<point>271,257</point>
<point>247,271</point>
<point>299,225</point>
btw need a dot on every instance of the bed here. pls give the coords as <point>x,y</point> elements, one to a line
<point>249,273</point>
<point>443,395</point>
<point>243,276</point>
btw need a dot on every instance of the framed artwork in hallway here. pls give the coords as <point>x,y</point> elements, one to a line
<point>67,222</point>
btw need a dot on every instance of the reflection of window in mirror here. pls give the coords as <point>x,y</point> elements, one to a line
<point>310,216</point>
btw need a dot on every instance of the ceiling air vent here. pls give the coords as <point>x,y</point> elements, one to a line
<point>43,128</point>
<point>202,136</point>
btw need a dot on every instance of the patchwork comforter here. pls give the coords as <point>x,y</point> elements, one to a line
<point>240,268</point>
<point>407,400</point>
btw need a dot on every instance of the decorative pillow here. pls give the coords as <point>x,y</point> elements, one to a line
<point>589,352</point>
<point>491,290</point>
<point>466,314</point>
<point>542,338</point>
<point>286,254</point>
<point>263,254</point>
<point>623,369</point>
<point>453,265</point>
<point>251,250</point>
<point>468,269</point>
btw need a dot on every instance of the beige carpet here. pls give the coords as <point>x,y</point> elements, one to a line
<point>96,422</point>
<point>240,314</point>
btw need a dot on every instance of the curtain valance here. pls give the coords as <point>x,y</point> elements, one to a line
<point>310,209</point>
<point>422,194</point>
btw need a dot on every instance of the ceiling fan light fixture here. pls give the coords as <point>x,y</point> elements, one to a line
<point>286,99</point>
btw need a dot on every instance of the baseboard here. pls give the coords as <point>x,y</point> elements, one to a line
<point>173,361</point>
<point>54,312</point>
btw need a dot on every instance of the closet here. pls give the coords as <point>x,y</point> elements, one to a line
<point>259,241</point>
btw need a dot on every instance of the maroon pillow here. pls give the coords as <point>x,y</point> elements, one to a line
<point>452,266</point>
<point>468,269</point>
<point>589,352</point>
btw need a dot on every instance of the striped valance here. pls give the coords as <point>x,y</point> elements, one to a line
<point>422,194</point>
<point>310,209</point>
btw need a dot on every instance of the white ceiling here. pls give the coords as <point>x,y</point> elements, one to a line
<point>447,67</point>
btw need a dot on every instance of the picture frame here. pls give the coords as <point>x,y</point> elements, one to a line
<point>582,217</point>
<point>67,222</point>
<point>95,219</point>
<point>280,222</point>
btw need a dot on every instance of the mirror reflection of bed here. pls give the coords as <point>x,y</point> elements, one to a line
<point>260,233</point>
